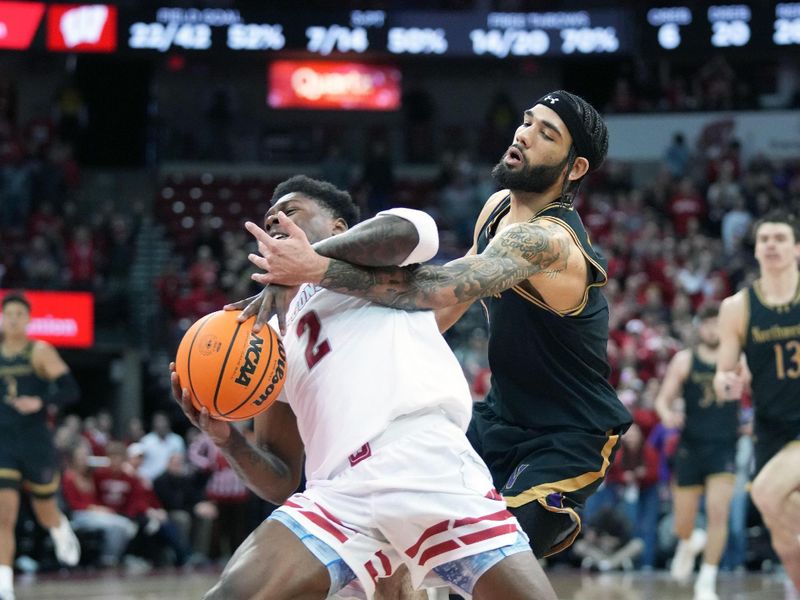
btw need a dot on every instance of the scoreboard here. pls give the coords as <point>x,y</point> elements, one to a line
<point>434,33</point>
<point>697,28</point>
<point>691,28</point>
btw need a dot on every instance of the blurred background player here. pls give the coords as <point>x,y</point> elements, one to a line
<point>391,478</point>
<point>32,375</point>
<point>763,320</point>
<point>551,421</point>
<point>705,458</point>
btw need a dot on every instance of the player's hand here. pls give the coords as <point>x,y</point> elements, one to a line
<point>289,261</point>
<point>729,385</point>
<point>273,300</point>
<point>218,431</point>
<point>673,419</point>
<point>28,404</point>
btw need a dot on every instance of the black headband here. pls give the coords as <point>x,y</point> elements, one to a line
<point>566,109</point>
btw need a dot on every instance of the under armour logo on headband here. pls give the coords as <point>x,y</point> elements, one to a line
<point>550,99</point>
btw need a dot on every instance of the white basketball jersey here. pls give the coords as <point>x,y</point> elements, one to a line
<point>354,366</point>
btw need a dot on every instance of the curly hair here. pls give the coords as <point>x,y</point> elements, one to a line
<point>327,195</point>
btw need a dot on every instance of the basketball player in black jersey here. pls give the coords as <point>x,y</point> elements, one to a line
<point>763,321</point>
<point>32,375</point>
<point>706,456</point>
<point>551,422</point>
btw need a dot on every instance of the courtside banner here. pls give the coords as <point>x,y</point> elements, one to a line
<point>65,319</point>
<point>333,85</point>
<point>18,23</point>
<point>82,28</point>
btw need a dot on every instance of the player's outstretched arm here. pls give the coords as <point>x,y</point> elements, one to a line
<point>399,236</point>
<point>270,466</point>
<point>730,378</point>
<point>520,251</point>
<point>677,372</point>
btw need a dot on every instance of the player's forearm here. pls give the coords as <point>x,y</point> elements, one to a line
<point>380,241</point>
<point>430,286</point>
<point>523,250</point>
<point>263,472</point>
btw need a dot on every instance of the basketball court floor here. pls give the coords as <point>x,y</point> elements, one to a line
<point>569,584</point>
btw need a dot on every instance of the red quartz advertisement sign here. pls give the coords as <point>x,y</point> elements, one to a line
<point>18,23</point>
<point>82,28</point>
<point>64,319</point>
<point>333,85</point>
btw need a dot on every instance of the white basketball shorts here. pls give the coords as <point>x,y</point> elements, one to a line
<point>418,494</point>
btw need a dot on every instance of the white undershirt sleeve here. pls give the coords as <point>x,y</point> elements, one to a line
<point>428,233</point>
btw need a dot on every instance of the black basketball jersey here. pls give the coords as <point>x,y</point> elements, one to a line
<point>550,369</point>
<point>18,378</point>
<point>706,417</point>
<point>772,347</point>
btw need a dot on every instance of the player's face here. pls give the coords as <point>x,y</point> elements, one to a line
<point>709,332</point>
<point>15,319</point>
<point>776,247</point>
<point>314,219</point>
<point>536,161</point>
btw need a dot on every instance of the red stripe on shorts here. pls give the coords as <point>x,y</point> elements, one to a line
<point>387,566</point>
<point>332,517</point>
<point>436,550</point>
<point>325,524</point>
<point>371,570</point>
<point>430,531</point>
<point>501,515</point>
<point>493,495</point>
<point>479,536</point>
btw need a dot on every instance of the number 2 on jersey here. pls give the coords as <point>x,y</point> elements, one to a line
<point>315,350</point>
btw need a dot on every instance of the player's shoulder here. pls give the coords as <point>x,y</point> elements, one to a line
<point>42,348</point>
<point>683,359</point>
<point>735,303</point>
<point>493,201</point>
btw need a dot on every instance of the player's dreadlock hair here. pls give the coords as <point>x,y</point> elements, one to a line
<point>588,131</point>
<point>339,202</point>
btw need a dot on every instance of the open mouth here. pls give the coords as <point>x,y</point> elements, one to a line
<point>278,235</point>
<point>513,156</point>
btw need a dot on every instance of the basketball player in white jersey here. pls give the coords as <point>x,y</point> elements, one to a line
<point>379,405</point>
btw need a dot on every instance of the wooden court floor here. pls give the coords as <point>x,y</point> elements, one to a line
<point>569,584</point>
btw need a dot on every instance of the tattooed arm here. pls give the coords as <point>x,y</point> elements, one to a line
<point>520,251</point>
<point>536,251</point>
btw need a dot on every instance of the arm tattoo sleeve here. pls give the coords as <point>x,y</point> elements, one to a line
<point>518,252</point>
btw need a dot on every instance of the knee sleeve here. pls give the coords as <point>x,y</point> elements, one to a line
<point>545,529</point>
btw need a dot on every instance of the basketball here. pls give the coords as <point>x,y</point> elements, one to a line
<point>232,371</point>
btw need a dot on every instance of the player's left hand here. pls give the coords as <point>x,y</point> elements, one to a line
<point>288,261</point>
<point>272,300</point>
<point>28,404</point>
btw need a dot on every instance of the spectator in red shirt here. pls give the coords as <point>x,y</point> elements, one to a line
<point>686,204</point>
<point>119,488</point>
<point>81,258</point>
<point>86,512</point>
